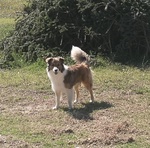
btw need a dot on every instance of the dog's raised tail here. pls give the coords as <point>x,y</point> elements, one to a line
<point>79,56</point>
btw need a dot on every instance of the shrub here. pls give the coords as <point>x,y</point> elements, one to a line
<point>118,29</point>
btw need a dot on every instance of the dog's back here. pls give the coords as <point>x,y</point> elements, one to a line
<point>80,72</point>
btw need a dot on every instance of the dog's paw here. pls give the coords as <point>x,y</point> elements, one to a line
<point>55,107</point>
<point>91,101</point>
<point>75,101</point>
<point>70,108</point>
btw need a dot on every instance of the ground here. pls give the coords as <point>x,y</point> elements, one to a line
<point>118,118</point>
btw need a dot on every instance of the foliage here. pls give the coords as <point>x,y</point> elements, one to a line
<point>118,29</point>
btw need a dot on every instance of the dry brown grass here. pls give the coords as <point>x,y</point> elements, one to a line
<point>119,117</point>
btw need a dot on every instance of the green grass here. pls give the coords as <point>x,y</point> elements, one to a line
<point>6,25</point>
<point>23,77</point>
<point>10,8</point>
<point>31,131</point>
<point>48,128</point>
<point>8,13</point>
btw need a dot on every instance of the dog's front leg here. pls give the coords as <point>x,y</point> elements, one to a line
<point>57,99</point>
<point>76,88</point>
<point>70,96</point>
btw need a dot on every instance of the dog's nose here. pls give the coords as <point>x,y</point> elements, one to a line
<point>55,70</point>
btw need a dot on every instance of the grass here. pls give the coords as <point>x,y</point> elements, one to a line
<point>10,8</point>
<point>26,115</point>
<point>6,25</point>
<point>118,119</point>
<point>8,13</point>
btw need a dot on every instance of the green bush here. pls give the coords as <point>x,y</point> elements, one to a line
<point>119,29</point>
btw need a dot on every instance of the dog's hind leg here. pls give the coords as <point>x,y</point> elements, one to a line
<point>57,99</point>
<point>70,96</point>
<point>89,88</point>
<point>92,96</point>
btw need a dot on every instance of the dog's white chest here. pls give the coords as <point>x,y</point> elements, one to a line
<point>57,81</point>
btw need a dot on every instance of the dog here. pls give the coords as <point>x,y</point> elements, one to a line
<point>66,79</point>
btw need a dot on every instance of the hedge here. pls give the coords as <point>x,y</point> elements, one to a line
<point>119,29</point>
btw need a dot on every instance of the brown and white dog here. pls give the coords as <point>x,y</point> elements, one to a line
<point>64,78</point>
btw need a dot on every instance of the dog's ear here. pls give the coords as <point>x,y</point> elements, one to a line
<point>61,60</point>
<point>48,60</point>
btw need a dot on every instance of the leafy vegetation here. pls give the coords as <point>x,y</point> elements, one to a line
<point>118,29</point>
<point>8,14</point>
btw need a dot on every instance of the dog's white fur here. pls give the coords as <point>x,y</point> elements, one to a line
<point>58,86</point>
<point>61,76</point>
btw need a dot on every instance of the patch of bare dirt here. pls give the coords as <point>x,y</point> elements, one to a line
<point>10,142</point>
<point>104,123</point>
<point>111,135</point>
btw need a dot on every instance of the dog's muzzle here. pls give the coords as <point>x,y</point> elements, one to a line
<point>55,70</point>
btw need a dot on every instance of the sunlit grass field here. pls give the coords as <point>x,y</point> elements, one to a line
<point>9,9</point>
<point>6,25</point>
<point>122,98</point>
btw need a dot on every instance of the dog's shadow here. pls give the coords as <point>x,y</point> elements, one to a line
<point>83,113</point>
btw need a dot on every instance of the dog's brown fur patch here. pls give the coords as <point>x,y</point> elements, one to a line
<point>76,74</point>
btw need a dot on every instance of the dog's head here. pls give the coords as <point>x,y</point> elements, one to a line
<point>55,64</point>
